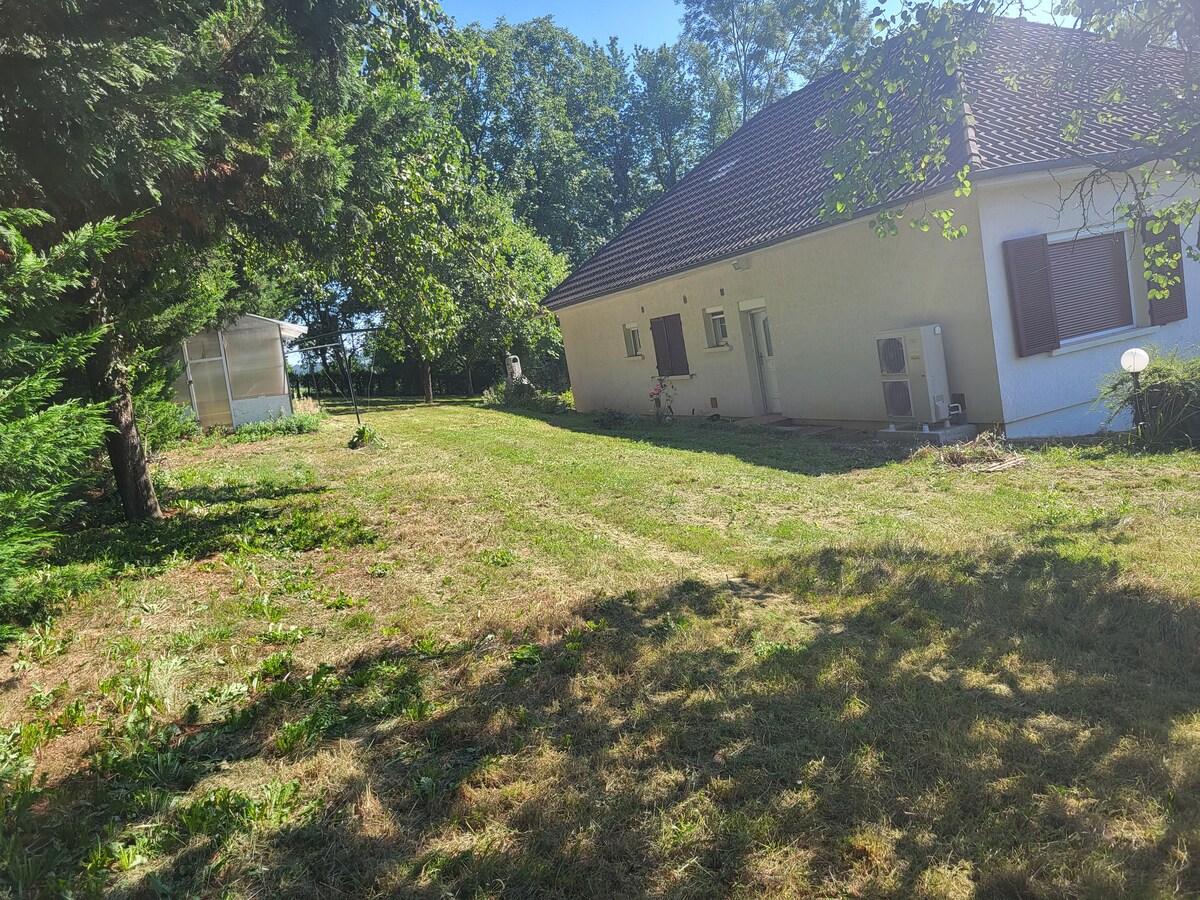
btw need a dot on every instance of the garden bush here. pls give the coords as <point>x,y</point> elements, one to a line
<point>613,418</point>
<point>1170,399</point>
<point>161,420</point>
<point>46,452</point>
<point>526,396</point>
<point>48,442</point>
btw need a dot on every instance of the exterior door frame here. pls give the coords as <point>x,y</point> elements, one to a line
<point>188,362</point>
<point>755,311</point>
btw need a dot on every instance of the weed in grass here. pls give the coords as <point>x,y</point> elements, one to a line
<point>308,527</point>
<point>366,436</point>
<point>216,813</point>
<point>266,606</point>
<point>226,694</point>
<point>341,600</point>
<point>526,655</point>
<point>124,647</point>
<point>429,647</point>
<point>419,709</point>
<point>381,570</point>
<point>198,638</point>
<point>42,698</point>
<point>277,665</point>
<point>72,715</point>
<point>42,641</point>
<point>303,733</point>
<point>281,635</point>
<point>130,693</point>
<point>498,559</point>
<point>297,423</point>
<point>360,622</point>
<point>125,857</point>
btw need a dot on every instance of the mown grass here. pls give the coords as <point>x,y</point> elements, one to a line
<point>505,655</point>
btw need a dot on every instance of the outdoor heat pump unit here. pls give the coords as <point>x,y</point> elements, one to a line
<point>912,366</point>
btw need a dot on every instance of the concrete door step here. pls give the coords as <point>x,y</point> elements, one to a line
<point>939,436</point>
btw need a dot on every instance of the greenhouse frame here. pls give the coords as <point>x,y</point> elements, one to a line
<point>238,374</point>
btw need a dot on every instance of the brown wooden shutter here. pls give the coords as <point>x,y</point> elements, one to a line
<point>1089,278</point>
<point>679,360</point>
<point>1028,266</point>
<point>670,354</point>
<point>662,350</point>
<point>1173,307</point>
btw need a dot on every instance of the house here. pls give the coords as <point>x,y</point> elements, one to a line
<point>735,288</point>
<point>237,374</point>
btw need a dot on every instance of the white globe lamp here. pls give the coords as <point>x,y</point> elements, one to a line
<point>1134,360</point>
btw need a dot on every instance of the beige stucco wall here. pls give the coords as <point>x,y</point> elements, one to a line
<point>827,294</point>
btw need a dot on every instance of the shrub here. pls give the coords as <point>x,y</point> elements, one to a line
<point>526,396</point>
<point>297,423</point>
<point>47,444</point>
<point>161,420</point>
<point>46,450</point>
<point>1169,396</point>
<point>613,418</point>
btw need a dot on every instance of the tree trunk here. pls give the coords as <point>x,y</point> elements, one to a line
<point>128,457</point>
<point>426,380</point>
<point>470,380</point>
<point>130,467</point>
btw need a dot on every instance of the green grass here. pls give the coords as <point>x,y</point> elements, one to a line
<point>518,655</point>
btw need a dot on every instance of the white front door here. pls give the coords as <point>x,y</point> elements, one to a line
<point>764,349</point>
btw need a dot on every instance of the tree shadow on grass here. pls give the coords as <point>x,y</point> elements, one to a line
<point>201,521</point>
<point>884,721</point>
<point>758,446</point>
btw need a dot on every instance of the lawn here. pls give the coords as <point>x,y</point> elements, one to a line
<point>506,655</point>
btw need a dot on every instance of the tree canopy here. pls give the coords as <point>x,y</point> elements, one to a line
<point>365,162</point>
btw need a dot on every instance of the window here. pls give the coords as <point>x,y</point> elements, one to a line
<point>633,340</point>
<point>715,327</point>
<point>1089,280</point>
<point>669,351</point>
<point>1067,290</point>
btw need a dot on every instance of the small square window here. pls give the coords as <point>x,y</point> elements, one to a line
<point>633,341</point>
<point>715,328</point>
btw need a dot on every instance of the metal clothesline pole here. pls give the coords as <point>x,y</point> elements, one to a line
<point>350,383</point>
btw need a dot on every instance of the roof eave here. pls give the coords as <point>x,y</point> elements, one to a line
<point>1096,160</point>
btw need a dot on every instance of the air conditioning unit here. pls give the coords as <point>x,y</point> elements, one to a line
<point>912,364</point>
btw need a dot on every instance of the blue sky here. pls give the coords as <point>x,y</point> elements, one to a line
<point>647,22</point>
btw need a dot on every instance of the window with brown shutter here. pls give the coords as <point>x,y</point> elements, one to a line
<point>1067,290</point>
<point>1089,278</point>
<point>1166,258</point>
<point>669,351</point>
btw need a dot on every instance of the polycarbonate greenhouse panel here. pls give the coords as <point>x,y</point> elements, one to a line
<point>212,397</point>
<point>255,360</point>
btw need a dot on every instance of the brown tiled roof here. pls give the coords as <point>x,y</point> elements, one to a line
<point>766,182</point>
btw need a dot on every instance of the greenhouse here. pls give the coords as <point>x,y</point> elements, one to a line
<point>238,374</point>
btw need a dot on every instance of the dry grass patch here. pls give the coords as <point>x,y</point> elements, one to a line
<point>504,656</point>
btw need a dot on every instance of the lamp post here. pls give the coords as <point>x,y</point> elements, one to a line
<point>1133,361</point>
